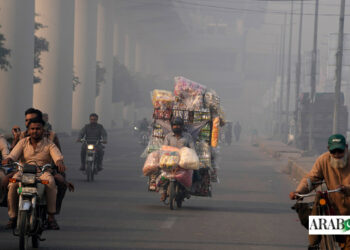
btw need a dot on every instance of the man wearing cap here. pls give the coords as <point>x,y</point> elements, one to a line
<point>333,168</point>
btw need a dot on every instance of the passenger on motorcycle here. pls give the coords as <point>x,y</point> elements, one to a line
<point>92,133</point>
<point>4,151</point>
<point>333,167</point>
<point>39,150</point>
<point>178,138</point>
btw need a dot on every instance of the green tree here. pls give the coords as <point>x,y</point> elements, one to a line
<point>40,45</point>
<point>4,54</point>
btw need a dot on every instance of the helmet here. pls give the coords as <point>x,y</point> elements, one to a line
<point>177,121</point>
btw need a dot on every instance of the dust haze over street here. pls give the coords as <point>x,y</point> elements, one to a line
<point>249,209</point>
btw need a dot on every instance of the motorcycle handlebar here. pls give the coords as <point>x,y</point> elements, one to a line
<point>300,196</point>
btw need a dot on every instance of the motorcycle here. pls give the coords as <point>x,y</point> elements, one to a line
<point>32,210</point>
<point>91,164</point>
<point>324,208</point>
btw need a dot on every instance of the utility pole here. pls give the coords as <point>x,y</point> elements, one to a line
<point>298,73</point>
<point>289,69</point>
<point>313,79</point>
<point>284,28</point>
<point>338,71</point>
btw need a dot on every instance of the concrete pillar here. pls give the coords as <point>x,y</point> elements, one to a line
<point>105,55</point>
<point>117,50</point>
<point>85,36</point>
<point>127,50</point>
<point>16,84</point>
<point>138,59</point>
<point>54,94</point>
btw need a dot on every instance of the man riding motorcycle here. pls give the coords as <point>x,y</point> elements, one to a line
<point>333,167</point>
<point>93,132</point>
<point>178,138</point>
<point>4,151</point>
<point>39,150</point>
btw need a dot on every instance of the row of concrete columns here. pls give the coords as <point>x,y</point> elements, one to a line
<point>79,33</point>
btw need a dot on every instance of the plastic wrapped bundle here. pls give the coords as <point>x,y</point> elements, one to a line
<point>152,163</point>
<point>169,158</point>
<point>215,132</point>
<point>189,93</point>
<point>188,159</point>
<point>204,154</point>
<point>162,99</point>
<point>184,176</point>
<point>212,100</point>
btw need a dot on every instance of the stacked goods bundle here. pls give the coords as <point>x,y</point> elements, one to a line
<point>163,102</point>
<point>205,133</point>
<point>215,132</point>
<point>189,94</point>
<point>212,101</point>
<point>204,154</point>
<point>188,159</point>
<point>170,158</point>
<point>152,163</point>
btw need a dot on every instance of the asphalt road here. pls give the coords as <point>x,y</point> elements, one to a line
<point>249,208</point>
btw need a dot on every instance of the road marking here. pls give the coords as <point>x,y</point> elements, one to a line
<point>169,223</point>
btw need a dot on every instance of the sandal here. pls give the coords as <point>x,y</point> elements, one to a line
<point>52,225</point>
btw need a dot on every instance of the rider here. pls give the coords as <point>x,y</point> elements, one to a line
<point>144,125</point>
<point>178,138</point>
<point>60,178</point>
<point>237,130</point>
<point>333,168</point>
<point>92,132</point>
<point>39,149</point>
<point>4,151</point>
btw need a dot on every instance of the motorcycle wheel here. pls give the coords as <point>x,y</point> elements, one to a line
<point>178,197</point>
<point>22,228</point>
<point>93,169</point>
<point>35,241</point>
<point>88,171</point>
<point>172,195</point>
<point>328,242</point>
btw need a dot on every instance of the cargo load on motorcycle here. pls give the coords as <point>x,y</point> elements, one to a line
<point>202,114</point>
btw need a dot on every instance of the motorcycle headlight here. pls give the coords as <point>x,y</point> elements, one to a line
<point>28,179</point>
<point>90,147</point>
<point>135,128</point>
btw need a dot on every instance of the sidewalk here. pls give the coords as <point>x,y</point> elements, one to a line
<point>295,164</point>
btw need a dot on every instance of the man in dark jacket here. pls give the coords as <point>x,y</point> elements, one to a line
<point>92,133</point>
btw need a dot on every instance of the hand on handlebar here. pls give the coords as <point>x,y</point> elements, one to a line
<point>61,167</point>
<point>293,195</point>
<point>6,161</point>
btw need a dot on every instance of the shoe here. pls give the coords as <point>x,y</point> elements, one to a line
<point>82,168</point>
<point>52,225</point>
<point>11,223</point>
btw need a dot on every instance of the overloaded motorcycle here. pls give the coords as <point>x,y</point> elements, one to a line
<point>32,209</point>
<point>91,161</point>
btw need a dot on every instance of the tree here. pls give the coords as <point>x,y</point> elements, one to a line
<point>4,54</point>
<point>40,45</point>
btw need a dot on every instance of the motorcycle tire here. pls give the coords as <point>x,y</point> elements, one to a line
<point>172,195</point>
<point>35,241</point>
<point>328,242</point>
<point>22,230</point>
<point>178,197</point>
<point>88,171</point>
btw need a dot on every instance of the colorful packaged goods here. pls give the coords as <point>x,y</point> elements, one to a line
<point>212,100</point>
<point>170,158</point>
<point>215,132</point>
<point>205,133</point>
<point>162,99</point>
<point>152,163</point>
<point>201,116</point>
<point>189,93</point>
<point>188,159</point>
<point>204,154</point>
<point>162,114</point>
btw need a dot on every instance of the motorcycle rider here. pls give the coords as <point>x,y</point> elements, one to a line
<point>237,130</point>
<point>4,151</point>
<point>93,132</point>
<point>60,178</point>
<point>144,125</point>
<point>39,149</point>
<point>333,167</point>
<point>177,138</point>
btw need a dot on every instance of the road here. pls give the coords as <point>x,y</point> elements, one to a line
<point>249,208</point>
